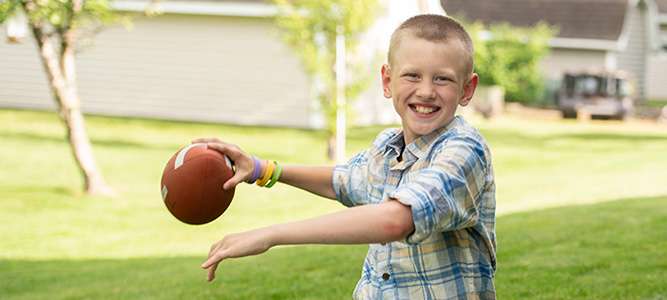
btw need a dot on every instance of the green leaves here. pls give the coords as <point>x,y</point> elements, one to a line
<point>63,15</point>
<point>508,56</point>
<point>309,28</point>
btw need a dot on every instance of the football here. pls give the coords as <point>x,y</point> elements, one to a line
<point>192,184</point>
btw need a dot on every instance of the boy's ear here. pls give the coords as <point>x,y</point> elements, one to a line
<point>386,80</point>
<point>469,89</point>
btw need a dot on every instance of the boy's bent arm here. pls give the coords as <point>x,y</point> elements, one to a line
<point>375,223</point>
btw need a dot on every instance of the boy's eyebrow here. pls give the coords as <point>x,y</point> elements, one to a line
<point>447,71</point>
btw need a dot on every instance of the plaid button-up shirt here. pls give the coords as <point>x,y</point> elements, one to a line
<point>446,177</point>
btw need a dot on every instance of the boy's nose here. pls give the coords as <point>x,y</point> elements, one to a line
<point>426,90</point>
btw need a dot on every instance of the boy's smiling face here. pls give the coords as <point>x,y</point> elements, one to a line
<point>427,82</point>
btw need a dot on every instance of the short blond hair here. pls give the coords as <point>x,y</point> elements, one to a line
<point>435,28</point>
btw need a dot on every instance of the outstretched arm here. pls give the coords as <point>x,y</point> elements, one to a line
<point>315,179</point>
<point>375,223</point>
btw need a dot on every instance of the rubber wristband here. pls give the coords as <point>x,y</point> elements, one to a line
<point>276,175</point>
<point>267,175</point>
<point>255,173</point>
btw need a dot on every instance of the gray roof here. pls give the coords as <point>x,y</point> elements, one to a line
<point>590,19</point>
<point>662,6</point>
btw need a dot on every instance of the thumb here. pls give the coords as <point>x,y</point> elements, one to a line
<point>232,182</point>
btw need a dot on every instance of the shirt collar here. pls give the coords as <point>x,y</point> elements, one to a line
<point>419,147</point>
<point>395,145</point>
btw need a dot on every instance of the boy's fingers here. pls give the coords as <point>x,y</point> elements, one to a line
<point>210,275</point>
<point>214,259</point>
<point>244,163</point>
<point>205,140</point>
<point>212,263</point>
<point>233,152</point>
<point>220,147</point>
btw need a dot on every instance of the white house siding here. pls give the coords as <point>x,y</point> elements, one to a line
<point>185,67</point>
<point>657,77</point>
<point>634,57</point>
<point>560,61</point>
<point>657,70</point>
<point>372,108</point>
<point>23,83</point>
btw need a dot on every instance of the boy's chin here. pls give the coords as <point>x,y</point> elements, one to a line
<point>426,127</point>
<point>419,131</point>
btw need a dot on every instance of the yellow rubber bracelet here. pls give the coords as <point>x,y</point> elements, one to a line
<point>276,176</point>
<point>267,175</point>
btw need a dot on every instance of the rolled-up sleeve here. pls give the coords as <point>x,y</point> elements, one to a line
<point>444,196</point>
<point>352,180</point>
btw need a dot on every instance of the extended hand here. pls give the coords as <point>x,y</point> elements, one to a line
<point>237,245</point>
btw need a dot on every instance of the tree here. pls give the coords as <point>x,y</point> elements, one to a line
<point>57,27</point>
<point>309,28</point>
<point>508,56</point>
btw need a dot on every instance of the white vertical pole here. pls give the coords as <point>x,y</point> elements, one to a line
<point>340,94</point>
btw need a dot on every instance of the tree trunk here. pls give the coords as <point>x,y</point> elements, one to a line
<point>60,69</point>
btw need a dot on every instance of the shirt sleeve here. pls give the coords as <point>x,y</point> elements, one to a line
<point>349,180</point>
<point>444,196</point>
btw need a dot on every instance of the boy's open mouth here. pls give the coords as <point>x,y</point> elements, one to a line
<point>424,110</point>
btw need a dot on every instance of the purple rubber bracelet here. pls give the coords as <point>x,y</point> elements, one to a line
<point>255,173</point>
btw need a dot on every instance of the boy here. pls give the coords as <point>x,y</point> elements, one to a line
<point>423,196</point>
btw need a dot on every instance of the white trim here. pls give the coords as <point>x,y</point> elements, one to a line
<point>200,8</point>
<point>180,158</point>
<point>431,7</point>
<point>624,37</point>
<point>164,192</point>
<point>229,163</point>
<point>610,60</point>
<point>653,24</point>
<point>662,18</point>
<point>587,44</point>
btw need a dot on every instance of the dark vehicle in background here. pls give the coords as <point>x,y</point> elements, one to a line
<point>597,93</point>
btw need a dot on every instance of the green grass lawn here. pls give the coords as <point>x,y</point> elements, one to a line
<point>582,212</point>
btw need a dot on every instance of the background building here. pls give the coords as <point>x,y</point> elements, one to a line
<point>629,35</point>
<point>222,61</point>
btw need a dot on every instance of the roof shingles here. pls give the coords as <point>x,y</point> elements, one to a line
<point>590,19</point>
<point>662,6</point>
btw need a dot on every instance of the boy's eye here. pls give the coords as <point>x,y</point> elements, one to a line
<point>412,75</point>
<point>441,79</point>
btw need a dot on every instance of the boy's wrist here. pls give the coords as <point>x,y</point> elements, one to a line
<point>257,167</point>
<point>272,235</point>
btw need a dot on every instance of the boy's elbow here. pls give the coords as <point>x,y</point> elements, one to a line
<point>399,223</point>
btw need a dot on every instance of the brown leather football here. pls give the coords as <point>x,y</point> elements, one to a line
<point>192,184</point>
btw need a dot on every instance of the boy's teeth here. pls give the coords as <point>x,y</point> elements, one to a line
<point>424,110</point>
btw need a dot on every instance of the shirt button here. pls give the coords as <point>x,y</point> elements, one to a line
<point>386,276</point>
